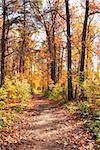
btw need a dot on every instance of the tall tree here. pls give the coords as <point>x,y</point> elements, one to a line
<point>48,17</point>
<point>7,21</point>
<point>70,89</point>
<point>53,46</point>
<point>82,64</point>
<point>3,48</point>
<point>23,46</point>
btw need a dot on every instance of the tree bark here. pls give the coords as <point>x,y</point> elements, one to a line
<point>53,58</point>
<point>3,48</point>
<point>82,64</point>
<point>23,46</point>
<point>70,89</point>
<point>53,47</point>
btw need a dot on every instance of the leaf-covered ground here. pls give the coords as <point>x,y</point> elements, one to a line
<point>45,125</point>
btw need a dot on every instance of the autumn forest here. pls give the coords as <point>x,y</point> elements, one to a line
<point>49,75</point>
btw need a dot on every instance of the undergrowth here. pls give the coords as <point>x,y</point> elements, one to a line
<point>13,100</point>
<point>55,92</point>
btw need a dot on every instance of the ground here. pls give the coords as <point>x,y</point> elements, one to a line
<point>46,125</point>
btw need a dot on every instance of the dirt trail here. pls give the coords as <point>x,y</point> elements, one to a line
<point>47,126</point>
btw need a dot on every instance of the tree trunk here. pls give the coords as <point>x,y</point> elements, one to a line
<point>59,65</point>
<point>83,47</point>
<point>70,89</point>
<point>53,47</point>
<point>53,59</point>
<point>52,50</point>
<point>23,47</point>
<point>51,44</point>
<point>3,48</point>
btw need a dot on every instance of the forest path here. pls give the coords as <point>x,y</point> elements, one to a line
<point>48,126</point>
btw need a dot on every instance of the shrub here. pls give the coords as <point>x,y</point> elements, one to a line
<point>3,94</point>
<point>91,89</point>
<point>47,93</point>
<point>2,105</point>
<point>18,109</point>
<point>6,127</point>
<point>58,90</point>
<point>15,89</point>
<point>5,119</point>
<point>93,123</point>
<point>84,108</point>
<point>55,91</point>
<point>94,126</point>
<point>72,107</point>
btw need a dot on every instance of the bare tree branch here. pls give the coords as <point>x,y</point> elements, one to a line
<point>94,12</point>
<point>10,53</point>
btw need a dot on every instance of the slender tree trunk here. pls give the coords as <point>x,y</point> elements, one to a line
<point>24,36</point>
<point>62,55</point>
<point>31,73</point>
<point>3,47</point>
<point>53,49</point>
<point>53,63</point>
<point>83,47</point>
<point>51,45</point>
<point>70,89</point>
<point>22,57</point>
<point>20,62</point>
<point>48,73</point>
<point>58,66</point>
<point>6,70</point>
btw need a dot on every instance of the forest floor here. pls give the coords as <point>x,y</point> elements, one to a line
<point>45,125</point>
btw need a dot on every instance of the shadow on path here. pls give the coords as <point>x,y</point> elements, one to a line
<point>47,126</point>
